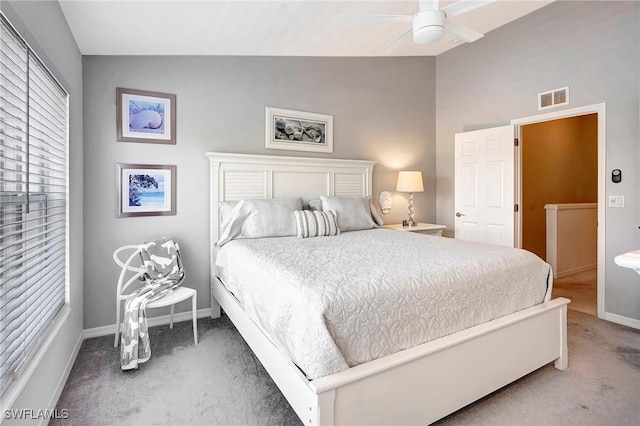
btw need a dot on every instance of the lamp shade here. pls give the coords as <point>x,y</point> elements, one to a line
<point>409,181</point>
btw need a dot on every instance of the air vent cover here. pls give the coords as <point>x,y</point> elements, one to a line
<point>553,98</point>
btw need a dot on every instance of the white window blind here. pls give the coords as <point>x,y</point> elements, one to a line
<point>33,200</point>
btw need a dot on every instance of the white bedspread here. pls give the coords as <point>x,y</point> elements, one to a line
<point>334,302</point>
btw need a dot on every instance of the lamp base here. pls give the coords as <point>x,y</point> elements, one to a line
<point>411,221</point>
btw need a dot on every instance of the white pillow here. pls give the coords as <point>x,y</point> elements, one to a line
<point>315,204</point>
<point>316,223</point>
<point>354,213</point>
<point>375,214</point>
<point>258,219</point>
<point>226,207</point>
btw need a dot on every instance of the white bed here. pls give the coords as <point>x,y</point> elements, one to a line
<point>414,386</point>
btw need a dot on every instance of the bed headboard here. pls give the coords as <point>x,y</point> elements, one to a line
<point>246,176</point>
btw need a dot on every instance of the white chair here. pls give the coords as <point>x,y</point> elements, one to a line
<point>176,296</point>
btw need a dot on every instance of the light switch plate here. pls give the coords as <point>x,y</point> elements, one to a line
<point>616,200</point>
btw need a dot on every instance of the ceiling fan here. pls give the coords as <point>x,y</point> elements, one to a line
<point>430,23</point>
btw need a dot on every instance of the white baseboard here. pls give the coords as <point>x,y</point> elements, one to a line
<point>63,379</point>
<point>151,322</point>
<point>619,319</point>
<point>577,270</point>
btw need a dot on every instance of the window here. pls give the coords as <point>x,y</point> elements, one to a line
<point>33,201</point>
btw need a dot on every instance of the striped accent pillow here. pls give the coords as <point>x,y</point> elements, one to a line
<point>316,223</point>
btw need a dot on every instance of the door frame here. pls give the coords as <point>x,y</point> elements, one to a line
<point>600,110</point>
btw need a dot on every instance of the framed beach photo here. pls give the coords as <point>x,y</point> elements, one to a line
<point>148,117</point>
<point>146,190</point>
<point>299,130</point>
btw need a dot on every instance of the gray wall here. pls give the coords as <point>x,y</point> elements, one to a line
<point>45,28</point>
<point>383,108</point>
<point>593,47</point>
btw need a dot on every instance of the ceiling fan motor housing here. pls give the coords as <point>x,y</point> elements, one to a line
<point>428,26</point>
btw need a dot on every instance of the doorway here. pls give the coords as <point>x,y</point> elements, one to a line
<point>559,196</point>
<point>580,284</point>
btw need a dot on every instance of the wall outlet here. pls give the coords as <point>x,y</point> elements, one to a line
<point>616,200</point>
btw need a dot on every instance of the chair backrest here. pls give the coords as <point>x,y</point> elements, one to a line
<point>148,261</point>
<point>132,253</point>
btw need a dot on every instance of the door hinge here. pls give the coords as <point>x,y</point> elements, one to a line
<point>515,208</point>
<point>516,142</point>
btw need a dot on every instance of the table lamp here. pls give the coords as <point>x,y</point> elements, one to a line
<point>410,181</point>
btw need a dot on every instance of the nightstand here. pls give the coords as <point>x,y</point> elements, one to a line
<point>421,228</point>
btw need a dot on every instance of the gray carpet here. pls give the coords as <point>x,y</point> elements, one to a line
<point>220,382</point>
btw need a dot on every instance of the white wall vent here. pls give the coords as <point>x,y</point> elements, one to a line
<point>553,98</point>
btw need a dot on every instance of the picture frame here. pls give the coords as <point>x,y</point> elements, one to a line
<point>298,130</point>
<point>146,190</point>
<point>146,117</point>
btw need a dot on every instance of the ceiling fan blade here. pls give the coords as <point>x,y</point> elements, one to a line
<point>381,18</point>
<point>464,6</point>
<point>464,33</point>
<point>394,43</point>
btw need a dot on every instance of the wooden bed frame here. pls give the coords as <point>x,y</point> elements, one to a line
<point>415,386</point>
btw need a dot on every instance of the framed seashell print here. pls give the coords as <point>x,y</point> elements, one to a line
<point>143,116</point>
<point>299,130</point>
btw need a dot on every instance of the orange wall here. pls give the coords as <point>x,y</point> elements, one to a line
<point>559,165</point>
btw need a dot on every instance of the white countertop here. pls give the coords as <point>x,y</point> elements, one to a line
<point>629,260</point>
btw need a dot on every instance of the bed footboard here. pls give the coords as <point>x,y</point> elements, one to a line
<point>422,384</point>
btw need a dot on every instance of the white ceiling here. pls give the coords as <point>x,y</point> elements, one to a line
<point>262,27</point>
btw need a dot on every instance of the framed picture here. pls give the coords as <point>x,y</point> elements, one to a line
<point>143,116</point>
<point>299,131</point>
<point>146,190</point>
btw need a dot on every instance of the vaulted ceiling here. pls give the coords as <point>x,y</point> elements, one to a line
<point>264,27</point>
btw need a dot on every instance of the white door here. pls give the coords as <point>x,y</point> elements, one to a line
<point>484,186</point>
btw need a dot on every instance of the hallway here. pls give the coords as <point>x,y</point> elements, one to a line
<point>581,289</point>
